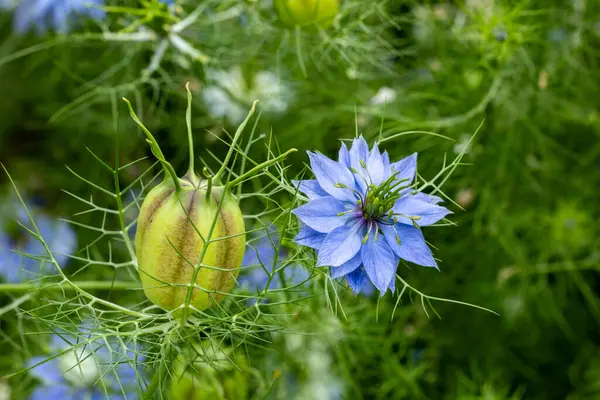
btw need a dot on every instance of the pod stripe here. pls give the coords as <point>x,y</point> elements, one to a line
<point>159,201</point>
<point>223,245</point>
<point>181,264</point>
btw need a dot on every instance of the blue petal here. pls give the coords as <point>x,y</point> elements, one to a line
<point>380,262</point>
<point>295,274</point>
<point>96,12</point>
<point>310,238</point>
<point>375,166</point>
<point>128,377</point>
<point>412,245</point>
<point>356,280</point>
<point>393,285</point>
<point>60,18</point>
<point>329,173</point>
<point>49,372</point>
<point>62,341</point>
<point>56,392</point>
<point>406,168</point>
<point>359,152</point>
<point>412,206</point>
<point>386,163</point>
<point>427,198</point>
<point>339,246</point>
<point>63,242</point>
<point>10,262</point>
<point>344,156</point>
<point>322,214</point>
<point>262,254</point>
<point>256,279</point>
<point>30,13</point>
<point>368,289</point>
<point>311,188</point>
<point>347,267</point>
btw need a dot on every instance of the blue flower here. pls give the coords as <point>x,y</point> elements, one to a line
<point>90,371</point>
<point>364,215</point>
<point>58,235</point>
<point>43,15</point>
<point>260,256</point>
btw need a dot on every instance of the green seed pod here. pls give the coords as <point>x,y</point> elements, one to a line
<point>306,12</point>
<point>191,230</point>
<point>169,242</point>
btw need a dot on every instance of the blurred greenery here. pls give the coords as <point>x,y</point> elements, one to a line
<point>526,241</point>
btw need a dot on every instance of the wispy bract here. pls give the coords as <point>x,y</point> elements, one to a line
<point>258,264</point>
<point>85,370</point>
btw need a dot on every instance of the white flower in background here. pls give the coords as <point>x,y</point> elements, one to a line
<point>79,367</point>
<point>314,353</point>
<point>321,382</point>
<point>463,145</point>
<point>465,197</point>
<point>424,23</point>
<point>229,95</point>
<point>385,95</point>
<point>4,390</point>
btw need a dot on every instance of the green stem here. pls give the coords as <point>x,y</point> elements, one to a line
<point>159,376</point>
<point>116,180</point>
<point>85,285</point>
<point>425,296</point>
<point>236,138</point>
<point>188,122</point>
<point>298,37</point>
<point>264,165</point>
<point>170,171</point>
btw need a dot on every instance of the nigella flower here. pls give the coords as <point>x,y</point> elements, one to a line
<point>230,96</point>
<point>58,235</point>
<point>42,15</point>
<point>85,371</point>
<point>364,215</point>
<point>259,258</point>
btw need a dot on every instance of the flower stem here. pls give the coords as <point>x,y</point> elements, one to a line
<point>236,138</point>
<point>188,122</point>
<point>85,285</point>
<point>264,165</point>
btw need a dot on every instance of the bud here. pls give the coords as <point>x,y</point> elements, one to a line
<point>203,372</point>
<point>169,242</point>
<point>306,12</point>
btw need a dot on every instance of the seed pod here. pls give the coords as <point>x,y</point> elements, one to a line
<point>172,228</point>
<point>191,230</point>
<point>305,12</point>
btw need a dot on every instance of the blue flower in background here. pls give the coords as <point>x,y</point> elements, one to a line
<point>363,215</point>
<point>42,15</point>
<point>90,371</point>
<point>58,235</point>
<point>262,253</point>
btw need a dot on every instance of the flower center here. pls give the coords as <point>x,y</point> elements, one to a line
<point>379,200</point>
